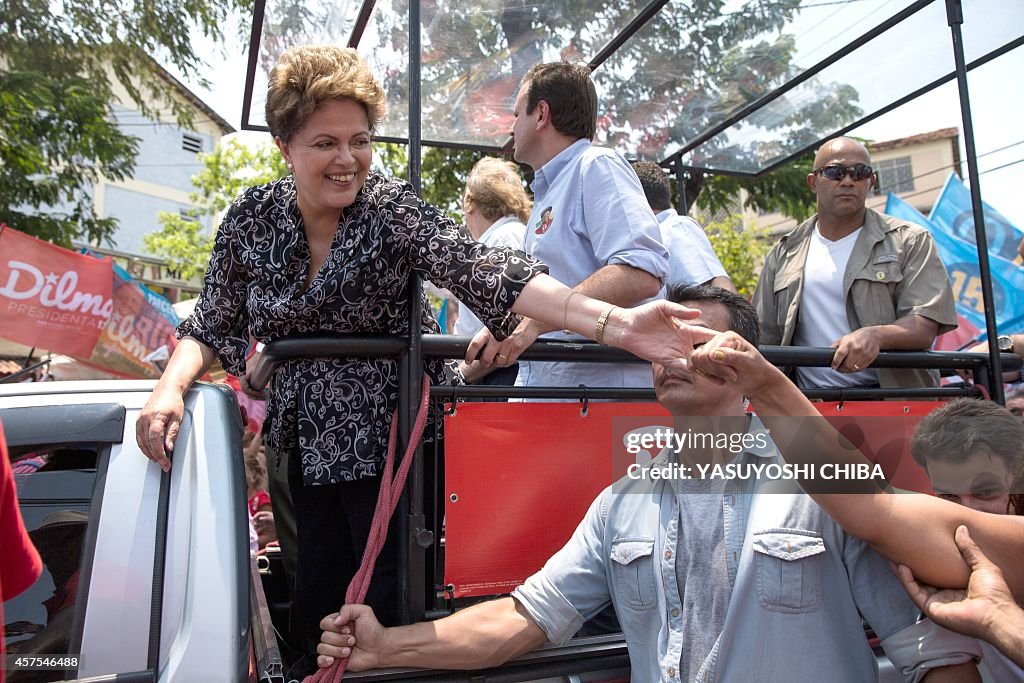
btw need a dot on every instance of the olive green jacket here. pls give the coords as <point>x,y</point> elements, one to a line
<point>894,271</point>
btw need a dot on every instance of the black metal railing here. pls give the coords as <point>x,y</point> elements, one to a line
<point>410,352</point>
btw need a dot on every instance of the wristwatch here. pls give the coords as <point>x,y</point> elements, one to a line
<point>1004,343</point>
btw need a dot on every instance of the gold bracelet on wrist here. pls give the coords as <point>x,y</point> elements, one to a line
<point>601,322</point>
<point>565,311</point>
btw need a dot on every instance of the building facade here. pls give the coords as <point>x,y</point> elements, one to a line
<point>162,181</point>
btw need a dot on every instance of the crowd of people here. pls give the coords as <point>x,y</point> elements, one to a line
<point>727,580</point>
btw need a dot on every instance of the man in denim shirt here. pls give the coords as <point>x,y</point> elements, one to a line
<point>713,579</point>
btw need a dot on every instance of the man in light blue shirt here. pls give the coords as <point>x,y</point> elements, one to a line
<point>691,258</point>
<point>590,222</point>
<point>713,578</point>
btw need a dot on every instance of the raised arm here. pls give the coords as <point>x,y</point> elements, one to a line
<point>617,284</point>
<point>911,529</point>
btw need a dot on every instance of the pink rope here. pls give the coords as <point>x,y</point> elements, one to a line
<point>390,491</point>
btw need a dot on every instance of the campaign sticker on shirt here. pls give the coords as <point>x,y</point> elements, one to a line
<point>547,217</point>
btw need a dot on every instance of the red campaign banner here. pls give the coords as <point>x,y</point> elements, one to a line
<point>882,431</point>
<point>519,477</point>
<point>136,329</point>
<point>51,297</point>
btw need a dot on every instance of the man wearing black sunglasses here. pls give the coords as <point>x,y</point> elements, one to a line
<point>855,280</point>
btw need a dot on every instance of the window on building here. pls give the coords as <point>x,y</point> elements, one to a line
<point>894,175</point>
<point>191,143</point>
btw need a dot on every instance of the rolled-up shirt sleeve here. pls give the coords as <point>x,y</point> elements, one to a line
<point>487,279</point>
<point>914,646</point>
<point>917,649</point>
<point>220,319</point>
<point>573,585</point>
<point>925,289</point>
<point>619,223</point>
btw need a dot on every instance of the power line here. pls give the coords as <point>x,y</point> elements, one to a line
<point>162,123</point>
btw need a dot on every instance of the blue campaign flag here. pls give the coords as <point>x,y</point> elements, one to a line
<point>953,214</point>
<point>961,261</point>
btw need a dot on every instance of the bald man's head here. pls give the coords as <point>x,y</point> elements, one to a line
<point>845,147</point>
<point>841,203</point>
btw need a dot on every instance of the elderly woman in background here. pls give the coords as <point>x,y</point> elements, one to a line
<point>330,249</point>
<point>496,208</point>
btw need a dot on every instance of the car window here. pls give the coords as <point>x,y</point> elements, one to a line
<point>55,490</point>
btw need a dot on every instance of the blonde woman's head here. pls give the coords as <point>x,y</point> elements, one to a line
<point>495,189</point>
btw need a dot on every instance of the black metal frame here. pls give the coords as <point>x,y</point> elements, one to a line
<point>258,9</point>
<point>362,20</point>
<point>412,349</point>
<point>955,17</point>
<point>806,75</point>
<point>980,61</point>
<point>638,22</point>
<point>451,346</point>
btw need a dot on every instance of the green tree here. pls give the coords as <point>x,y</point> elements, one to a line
<point>443,172</point>
<point>740,249</point>
<point>182,240</point>
<point>784,190</point>
<point>60,65</point>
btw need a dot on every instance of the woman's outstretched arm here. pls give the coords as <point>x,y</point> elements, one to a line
<point>656,331</point>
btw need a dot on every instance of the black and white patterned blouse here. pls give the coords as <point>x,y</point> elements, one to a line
<point>336,413</point>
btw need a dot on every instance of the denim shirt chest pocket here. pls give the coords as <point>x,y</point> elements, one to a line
<point>788,564</point>
<point>633,571</point>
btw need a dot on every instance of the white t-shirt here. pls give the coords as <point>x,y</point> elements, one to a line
<point>504,232</point>
<point>822,318</point>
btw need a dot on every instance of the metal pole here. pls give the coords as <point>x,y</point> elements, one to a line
<point>681,183</point>
<point>411,521</point>
<point>955,17</point>
<point>415,106</point>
